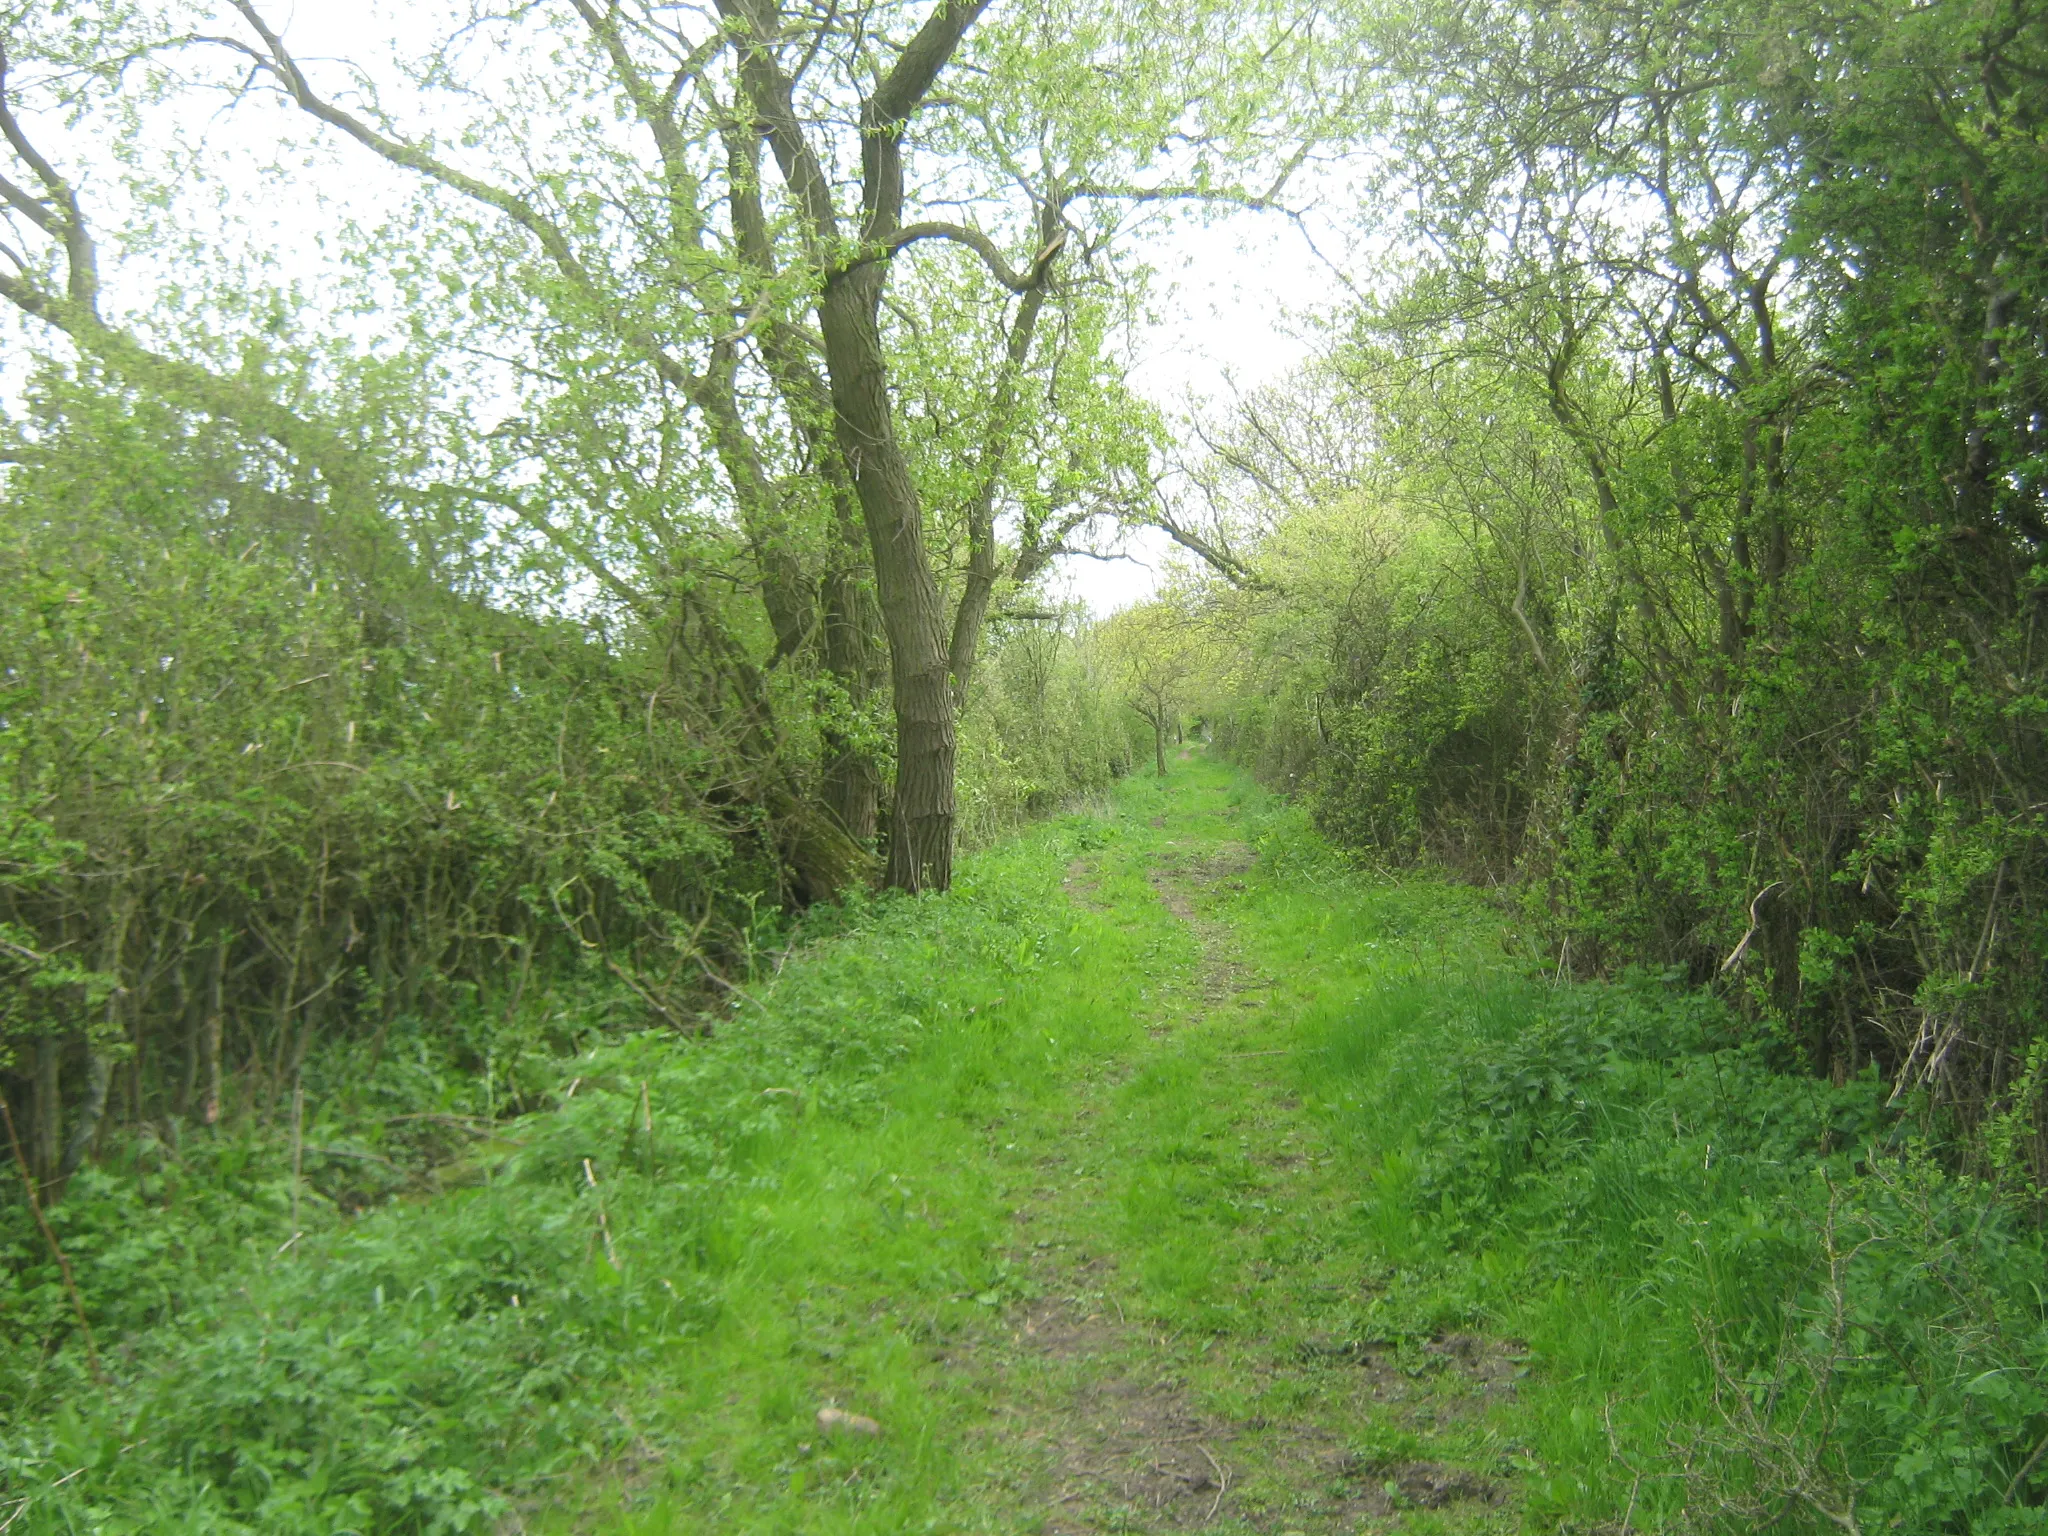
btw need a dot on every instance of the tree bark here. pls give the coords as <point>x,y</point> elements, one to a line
<point>99,1065</point>
<point>209,1037</point>
<point>99,1071</point>
<point>863,416</point>
<point>46,1135</point>
<point>852,786</point>
<point>913,615</point>
<point>851,628</point>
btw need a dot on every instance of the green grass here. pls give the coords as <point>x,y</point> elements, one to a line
<point>1289,1169</point>
<point>1750,1300</point>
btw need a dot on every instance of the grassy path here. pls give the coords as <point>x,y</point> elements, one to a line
<point>1166,1175</point>
<point>1101,1261</point>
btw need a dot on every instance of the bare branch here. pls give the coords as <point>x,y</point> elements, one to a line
<point>29,205</point>
<point>1236,571</point>
<point>990,253</point>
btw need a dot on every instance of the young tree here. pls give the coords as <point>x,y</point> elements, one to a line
<point>1152,653</point>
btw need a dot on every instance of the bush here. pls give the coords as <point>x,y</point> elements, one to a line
<point>1800,1318</point>
<point>417,1365</point>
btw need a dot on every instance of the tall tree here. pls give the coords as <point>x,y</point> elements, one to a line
<point>406,460</point>
<point>705,272</point>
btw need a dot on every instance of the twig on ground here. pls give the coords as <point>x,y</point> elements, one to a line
<point>1222,1482</point>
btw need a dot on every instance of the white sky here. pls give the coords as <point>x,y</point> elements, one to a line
<point>1224,311</point>
<point>1234,294</point>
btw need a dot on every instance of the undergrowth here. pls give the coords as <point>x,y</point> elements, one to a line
<point>1758,1301</point>
<point>610,1277</point>
<point>436,1354</point>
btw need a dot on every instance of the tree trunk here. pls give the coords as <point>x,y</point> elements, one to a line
<point>99,1071</point>
<point>1159,742</point>
<point>99,1065</point>
<point>209,1037</point>
<point>851,783</point>
<point>190,1011</point>
<point>921,818</point>
<point>863,416</point>
<point>851,629</point>
<point>45,1139</point>
<point>852,786</point>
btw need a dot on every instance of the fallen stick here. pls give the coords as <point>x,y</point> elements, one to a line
<point>1222,1483</point>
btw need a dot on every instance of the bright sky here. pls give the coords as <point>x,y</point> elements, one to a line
<point>1229,319</point>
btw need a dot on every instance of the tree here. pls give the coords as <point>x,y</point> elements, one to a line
<point>1687,568</point>
<point>1152,654</point>
<point>698,269</point>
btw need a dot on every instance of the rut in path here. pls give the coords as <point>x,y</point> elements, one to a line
<point>1104,1405</point>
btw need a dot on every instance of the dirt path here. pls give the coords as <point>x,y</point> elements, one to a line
<point>1118,1415</point>
<point>1099,1247</point>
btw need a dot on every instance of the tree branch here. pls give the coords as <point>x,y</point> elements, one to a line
<point>1237,572</point>
<point>568,544</point>
<point>279,63</point>
<point>984,247</point>
<point>769,89</point>
<point>884,113</point>
<point>656,111</point>
<point>309,441</point>
<point>81,259</point>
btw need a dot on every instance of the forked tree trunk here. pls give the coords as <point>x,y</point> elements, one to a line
<point>863,424</point>
<point>913,614</point>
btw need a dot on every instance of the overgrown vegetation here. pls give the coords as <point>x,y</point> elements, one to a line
<point>1759,1302</point>
<point>1665,542</point>
<point>459,702</point>
<point>283,1360</point>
